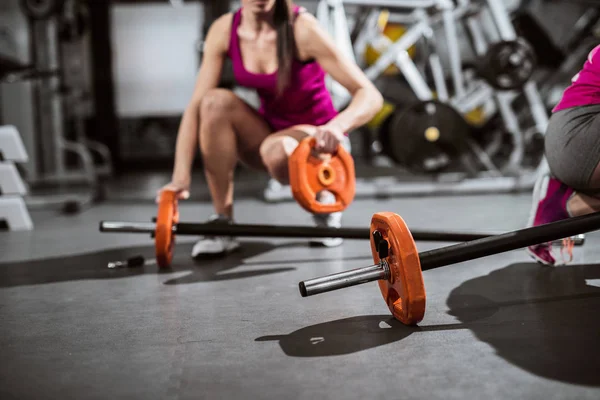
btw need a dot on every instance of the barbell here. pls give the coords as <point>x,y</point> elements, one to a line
<point>166,226</point>
<point>399,266</point>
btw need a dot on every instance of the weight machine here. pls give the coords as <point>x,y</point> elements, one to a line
<point>491,40</point>
<point>56,29</point>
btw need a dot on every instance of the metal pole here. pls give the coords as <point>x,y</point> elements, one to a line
<point>288,231</point>
<point>276,231</point>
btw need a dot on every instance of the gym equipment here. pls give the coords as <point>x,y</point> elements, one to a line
<point>13,211</point>
<point>426,137</point>
<point>484,23</point>
<point>310,174</point>
<point>50,165</point>
<point>166,225</point>
<point>14,214</point>
<point>11,145</point>
<point>74,23</point>
<point>398,265</point>
<point>41,9</point>
<point>508,64</point>
<point>14,71</point>
<point>10,179</point>
<point>389,33</point>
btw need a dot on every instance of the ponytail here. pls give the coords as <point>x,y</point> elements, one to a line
<point>286,46</point>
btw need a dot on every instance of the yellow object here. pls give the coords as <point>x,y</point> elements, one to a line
<point>390,33</point>
<point>386,110</point>
<point>476,116</point>
<point>432,134</point>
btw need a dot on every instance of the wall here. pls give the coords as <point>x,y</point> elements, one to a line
<point>155,57</point>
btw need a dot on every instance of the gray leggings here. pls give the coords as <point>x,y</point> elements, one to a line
<point>572,146</point>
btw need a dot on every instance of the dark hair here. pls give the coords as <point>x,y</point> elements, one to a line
<point>286,45</point>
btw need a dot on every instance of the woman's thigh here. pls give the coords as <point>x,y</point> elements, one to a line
<point>221,106</point>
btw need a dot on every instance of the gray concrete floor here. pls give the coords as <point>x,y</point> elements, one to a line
<point>499,327</point>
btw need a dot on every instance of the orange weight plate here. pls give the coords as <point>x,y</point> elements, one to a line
<point>164,239</point>
<point>404,291</point>
<point>310,174</point>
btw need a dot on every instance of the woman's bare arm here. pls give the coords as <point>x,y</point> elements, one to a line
<point>314,42</point>
<point>209,75</point>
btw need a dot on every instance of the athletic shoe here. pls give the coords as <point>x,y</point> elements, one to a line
<point>550,198</point>
<point>333,220</point>
<point>275,191</point>
<point>214,246</point>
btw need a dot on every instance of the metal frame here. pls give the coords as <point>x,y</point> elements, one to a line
<point>53,146</point>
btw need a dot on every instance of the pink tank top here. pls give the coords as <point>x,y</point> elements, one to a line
<point>304,101</point>
<point>585,86</point>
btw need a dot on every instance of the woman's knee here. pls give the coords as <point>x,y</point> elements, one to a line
<point>274,153</point>
<point>217,104</point>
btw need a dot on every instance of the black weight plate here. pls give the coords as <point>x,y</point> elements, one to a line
<point>426,137</point>
<point>508,65</point>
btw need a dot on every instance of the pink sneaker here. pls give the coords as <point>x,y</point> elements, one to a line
<point>550,198</point>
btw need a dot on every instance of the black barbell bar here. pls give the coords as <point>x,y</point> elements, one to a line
<point>255,230</point>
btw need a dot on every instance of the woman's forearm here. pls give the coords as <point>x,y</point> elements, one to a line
<point>186,146</point>
<point>366,103</point>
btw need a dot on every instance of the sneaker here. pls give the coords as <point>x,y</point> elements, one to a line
<point>333,220</point>
<point>550,198</point>
<point>275,191</point>
<point>214,246</point>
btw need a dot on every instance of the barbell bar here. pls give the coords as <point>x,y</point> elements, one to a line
<point>258,230</point>
<point>398,265</point>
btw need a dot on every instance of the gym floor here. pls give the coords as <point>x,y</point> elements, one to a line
<point>498,327</point>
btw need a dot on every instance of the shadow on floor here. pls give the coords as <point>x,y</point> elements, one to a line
<point>543,320</point>
<point>344,336</point>
<point>93,266</point>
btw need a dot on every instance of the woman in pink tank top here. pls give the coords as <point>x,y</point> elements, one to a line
<point>572,149</point>
<point>282,52</point>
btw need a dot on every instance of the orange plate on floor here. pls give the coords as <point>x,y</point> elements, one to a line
<point>164,238</point>
<point>309,174</point>
<point>404,292</point>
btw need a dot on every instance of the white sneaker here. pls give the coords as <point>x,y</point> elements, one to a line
<point>333,220</point>
<point>215,245</point>
<point>275,191</point>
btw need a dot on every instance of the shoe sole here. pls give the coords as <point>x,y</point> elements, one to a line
<point>317,243</point>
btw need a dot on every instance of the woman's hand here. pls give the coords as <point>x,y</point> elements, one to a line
<point>328,138</point>
<point>181,189</point>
